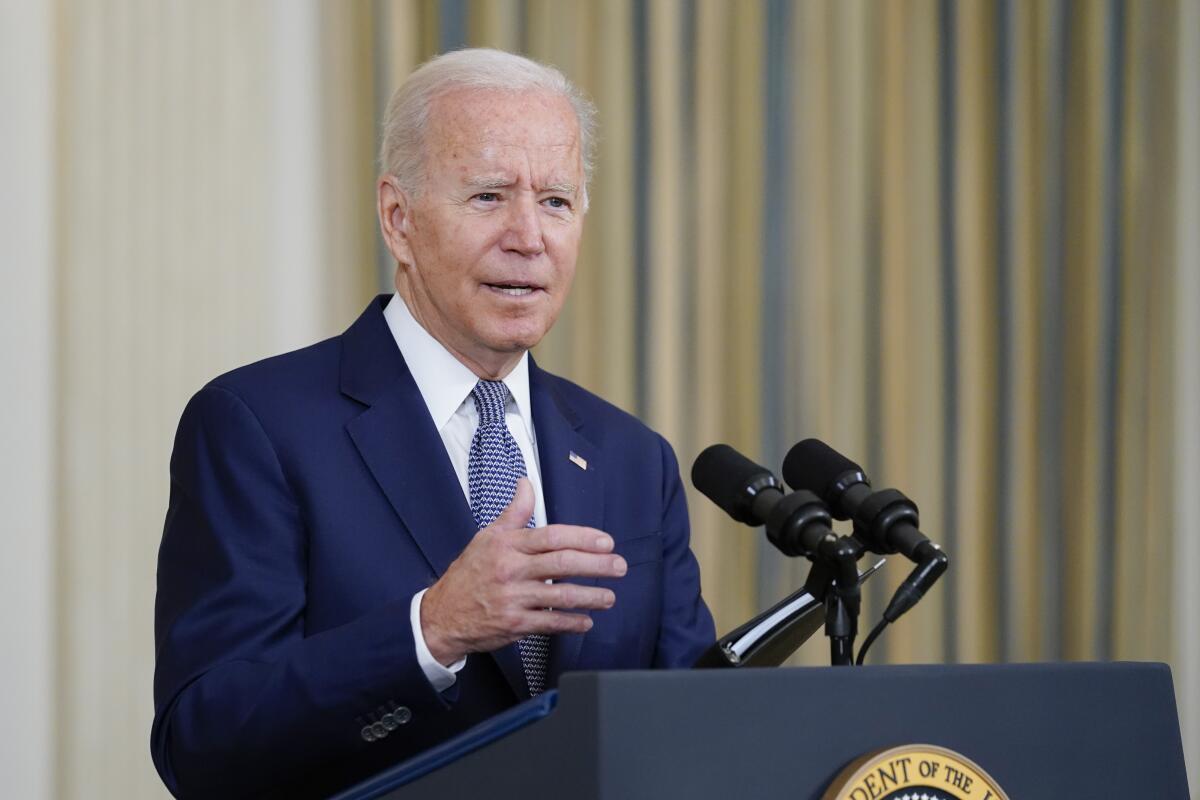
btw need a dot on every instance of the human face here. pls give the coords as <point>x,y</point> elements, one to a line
<point>487,247</point>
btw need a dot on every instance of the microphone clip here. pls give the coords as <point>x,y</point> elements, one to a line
<point>880,514</point>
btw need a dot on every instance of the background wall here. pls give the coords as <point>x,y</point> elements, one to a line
<point>958,241</point>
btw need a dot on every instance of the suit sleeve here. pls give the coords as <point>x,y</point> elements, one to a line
<point>238,685</point>
<point>687,628</point>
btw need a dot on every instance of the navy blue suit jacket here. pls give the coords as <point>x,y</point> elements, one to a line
<point>311,498</point>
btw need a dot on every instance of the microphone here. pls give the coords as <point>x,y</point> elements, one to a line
<point>797,523</point>
<point>885,521</point>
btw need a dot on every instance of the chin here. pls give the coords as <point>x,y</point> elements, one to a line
<point>517,338</point>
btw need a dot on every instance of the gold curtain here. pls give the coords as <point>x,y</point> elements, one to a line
<point>935,234</point>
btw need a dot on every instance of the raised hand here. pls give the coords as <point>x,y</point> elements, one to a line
<point>495,592</point>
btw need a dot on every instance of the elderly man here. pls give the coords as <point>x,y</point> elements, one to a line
<point>380,540</point>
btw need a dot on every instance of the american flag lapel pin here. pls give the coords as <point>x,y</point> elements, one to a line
<point>577,460</point>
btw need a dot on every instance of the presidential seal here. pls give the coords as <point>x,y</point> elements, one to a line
<point>913,772</point>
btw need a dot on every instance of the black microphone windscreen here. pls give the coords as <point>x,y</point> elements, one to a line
<point>815,466</point>
<point>722,475</point>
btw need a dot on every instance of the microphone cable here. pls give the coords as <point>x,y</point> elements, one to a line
<point>871,637</point>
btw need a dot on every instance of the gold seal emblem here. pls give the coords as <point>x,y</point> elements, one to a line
<point>913,772</point>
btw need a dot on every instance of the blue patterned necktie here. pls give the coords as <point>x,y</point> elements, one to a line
<point>494,465</point>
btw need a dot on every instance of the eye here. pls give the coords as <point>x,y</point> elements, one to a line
<point>487,197</point>
<point>557,202</point>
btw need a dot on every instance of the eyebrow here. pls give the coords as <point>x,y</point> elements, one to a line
<point>503,182</point>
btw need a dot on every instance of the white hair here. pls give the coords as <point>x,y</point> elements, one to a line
<point>401,152</point>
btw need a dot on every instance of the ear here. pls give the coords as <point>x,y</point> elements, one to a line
<point>394,207</point>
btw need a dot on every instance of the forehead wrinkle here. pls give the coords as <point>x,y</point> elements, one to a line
<point>496,158</point>
<point>455,135</point>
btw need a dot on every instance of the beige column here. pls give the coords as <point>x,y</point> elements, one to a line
<point>27,438</point>
<point>294,204</point>
<point>196,235</point>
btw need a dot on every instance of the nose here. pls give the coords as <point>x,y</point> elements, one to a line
<point>524,228</point>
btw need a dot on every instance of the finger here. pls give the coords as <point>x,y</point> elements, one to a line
<point>518,513</point>
<point>573,564</point>
<point>557,622</point>
<point>568,596</point>
<point>565,537</point>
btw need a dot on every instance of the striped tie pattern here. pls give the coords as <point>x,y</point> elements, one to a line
<point>493,468</point>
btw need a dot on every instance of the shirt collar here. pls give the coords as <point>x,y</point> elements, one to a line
<point>444,381</point>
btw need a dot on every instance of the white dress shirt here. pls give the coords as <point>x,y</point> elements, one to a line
<point>445,384</point>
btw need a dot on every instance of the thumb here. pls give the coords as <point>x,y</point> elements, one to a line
<point>519,511</point>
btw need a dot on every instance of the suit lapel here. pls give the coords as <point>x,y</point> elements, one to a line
<point>405,454</point>
<point>572,485</point>
<point>400,446</point>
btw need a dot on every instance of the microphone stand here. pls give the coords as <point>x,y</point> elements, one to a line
<point>834,580</point>
<point>774,635</point>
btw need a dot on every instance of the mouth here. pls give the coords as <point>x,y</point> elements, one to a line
<point>514,289</point>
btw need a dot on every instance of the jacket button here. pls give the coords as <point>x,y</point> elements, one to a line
<point>368,735</point>
<point>402,715</point>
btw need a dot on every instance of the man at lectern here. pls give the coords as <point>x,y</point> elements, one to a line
<point>383,539</point>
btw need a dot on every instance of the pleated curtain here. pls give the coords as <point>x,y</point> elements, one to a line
<point>936,235</point>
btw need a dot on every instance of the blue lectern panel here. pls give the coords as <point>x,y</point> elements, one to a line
<point>1043,731</point>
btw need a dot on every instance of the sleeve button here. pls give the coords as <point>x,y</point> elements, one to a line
<point>402,715</point>
<point>389,722</point>
<point>379,730</point>
<point>368,735</point>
